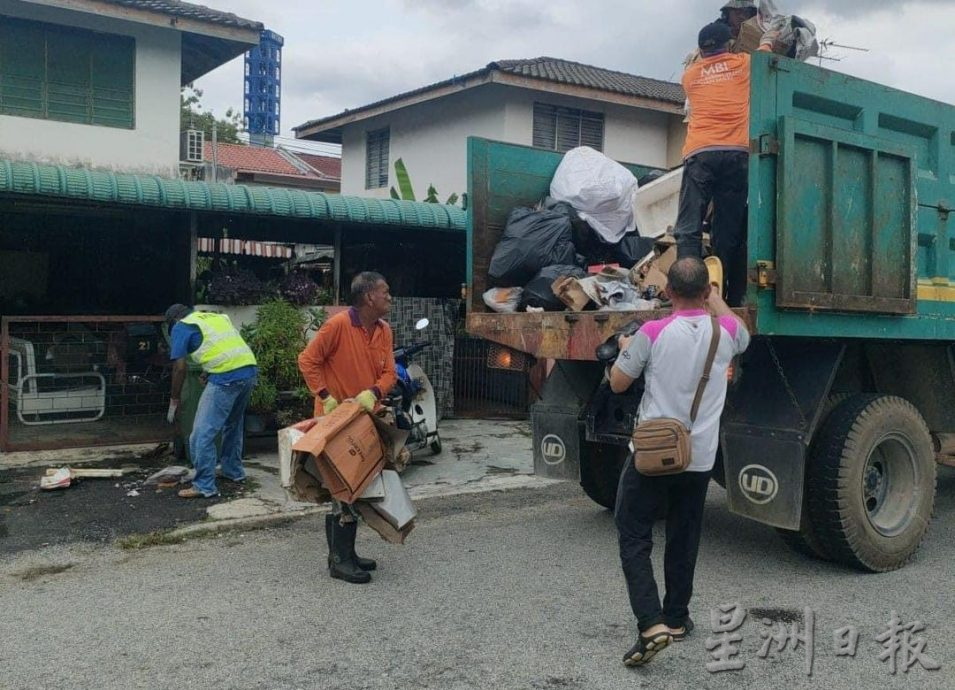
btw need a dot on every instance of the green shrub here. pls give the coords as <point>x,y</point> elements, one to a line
<point>277,337</point>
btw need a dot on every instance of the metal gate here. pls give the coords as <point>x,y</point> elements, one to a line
<point>78,381</point>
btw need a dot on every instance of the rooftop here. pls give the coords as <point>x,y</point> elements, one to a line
<point>209,37</point>
<point>544,73</point>
<point>276,162</point>
<point>175,8</point>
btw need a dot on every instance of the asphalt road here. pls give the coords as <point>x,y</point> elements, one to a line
<point>510,590</point>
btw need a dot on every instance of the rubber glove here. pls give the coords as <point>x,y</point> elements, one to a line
<point>329,404</point>
<point>367,399</point>
<point>171,412</point>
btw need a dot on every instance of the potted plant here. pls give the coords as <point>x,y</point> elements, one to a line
<point>276,337</point>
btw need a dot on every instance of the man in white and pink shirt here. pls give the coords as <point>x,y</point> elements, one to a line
<point>671,355</point>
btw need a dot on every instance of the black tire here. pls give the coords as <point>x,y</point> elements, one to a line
<point>871,482</point>
<point>600,467</point>
<point>806,541</point>
<point>436,446</point>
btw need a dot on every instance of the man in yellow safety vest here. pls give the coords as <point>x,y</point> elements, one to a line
<point>227,362</point>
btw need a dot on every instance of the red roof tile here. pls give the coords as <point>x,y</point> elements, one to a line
<point>327,166</point>
<point>253,159</point>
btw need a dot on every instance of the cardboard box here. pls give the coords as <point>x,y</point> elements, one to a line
<point>750,36</point>
<point>347,449</point>
<point>569,292</point>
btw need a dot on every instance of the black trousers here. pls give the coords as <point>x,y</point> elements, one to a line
<point>639,500</point>
<point>720,177</point>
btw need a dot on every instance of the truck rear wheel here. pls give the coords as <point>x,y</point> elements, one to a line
<point>871,482</point>
<point>806,541</point>
<point>600,467</point>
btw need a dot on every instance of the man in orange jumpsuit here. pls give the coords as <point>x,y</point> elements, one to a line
<point>351,357</point>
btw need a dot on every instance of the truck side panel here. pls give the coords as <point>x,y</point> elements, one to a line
<point>850,186</point>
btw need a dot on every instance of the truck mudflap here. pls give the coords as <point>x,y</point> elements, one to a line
<point>560,335</point>
<point>770,417</point>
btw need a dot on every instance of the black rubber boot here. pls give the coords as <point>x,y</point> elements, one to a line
<point>363,563</point>
<point>343,566</point>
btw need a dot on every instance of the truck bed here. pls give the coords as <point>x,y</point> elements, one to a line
<point>561,335</point>
<point>851,188</point>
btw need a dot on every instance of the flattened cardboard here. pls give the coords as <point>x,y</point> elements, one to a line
<point>347,449</point>
<point>382,526</point>
<point>569,291</point>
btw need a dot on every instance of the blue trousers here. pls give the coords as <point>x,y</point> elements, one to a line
<point>221,410</point>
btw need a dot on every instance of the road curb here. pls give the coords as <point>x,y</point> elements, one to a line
<point>424,493</point>
<point>251,522</point>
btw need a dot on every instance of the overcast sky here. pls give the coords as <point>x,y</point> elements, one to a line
<point>347,53</point>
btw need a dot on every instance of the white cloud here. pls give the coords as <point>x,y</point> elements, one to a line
<point>342,54</point>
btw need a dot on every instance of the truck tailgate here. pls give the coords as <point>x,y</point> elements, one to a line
<point>560,335</point>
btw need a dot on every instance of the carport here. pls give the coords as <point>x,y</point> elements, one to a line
<point>89,259</point>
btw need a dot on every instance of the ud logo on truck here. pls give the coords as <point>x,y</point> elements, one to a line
<point>758,484</point>
<point>553,449</point>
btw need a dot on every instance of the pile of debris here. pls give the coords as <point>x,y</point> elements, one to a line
<point>581,248</point>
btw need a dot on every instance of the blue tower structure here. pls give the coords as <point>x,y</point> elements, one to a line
<point>263,88</point>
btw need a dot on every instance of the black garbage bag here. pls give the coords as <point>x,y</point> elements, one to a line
<point>532,240</point>
<point>650,177</point>
<point>539,293</point>
<point>632,248</point>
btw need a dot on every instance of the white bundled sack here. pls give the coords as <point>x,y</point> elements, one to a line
<point>600,190</point>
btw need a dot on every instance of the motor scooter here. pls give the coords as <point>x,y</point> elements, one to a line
<point>413,398</point>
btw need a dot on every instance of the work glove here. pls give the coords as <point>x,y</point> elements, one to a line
<point>367,400</point>
<point>329,404</point>
<point>171,412</point>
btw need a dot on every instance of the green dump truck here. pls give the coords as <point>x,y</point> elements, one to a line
<point>845,402</point>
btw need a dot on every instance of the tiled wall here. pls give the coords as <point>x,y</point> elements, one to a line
<point>437,361</point>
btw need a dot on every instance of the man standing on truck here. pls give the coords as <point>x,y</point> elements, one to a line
<point>672,353</point>
<point>716,157</point>
<point>351,357</point>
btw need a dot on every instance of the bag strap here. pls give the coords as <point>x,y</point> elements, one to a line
<point>707,368</point>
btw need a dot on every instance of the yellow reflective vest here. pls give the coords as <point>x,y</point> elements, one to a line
<point>222,349</point>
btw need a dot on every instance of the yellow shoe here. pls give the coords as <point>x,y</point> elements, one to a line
<point>715,268</point>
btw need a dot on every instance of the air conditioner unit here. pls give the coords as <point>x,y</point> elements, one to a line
<point>191,146</point>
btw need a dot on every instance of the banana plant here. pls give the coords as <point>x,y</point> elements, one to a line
<point>405,191</point>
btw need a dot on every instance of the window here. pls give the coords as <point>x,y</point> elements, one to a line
<point>376,159</point>
<point>57,73</point>
<point>562,129</point>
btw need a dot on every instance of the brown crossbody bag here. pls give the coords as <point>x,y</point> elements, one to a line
<point>662,446</point>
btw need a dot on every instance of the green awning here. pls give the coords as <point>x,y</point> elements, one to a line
<point>102,187</point>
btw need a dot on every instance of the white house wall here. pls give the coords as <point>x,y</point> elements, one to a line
<point>431,138</point>
<point>152,147</point>
<point>630,135</point>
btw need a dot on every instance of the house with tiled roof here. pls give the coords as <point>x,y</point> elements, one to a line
<point>274,167</point>
<point>543,102</point>
<point>95,83</point>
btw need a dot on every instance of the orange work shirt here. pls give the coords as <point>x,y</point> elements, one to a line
<point>717,88</point>
<point>345,359</point>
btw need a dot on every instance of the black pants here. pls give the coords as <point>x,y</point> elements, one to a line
<point>720,177</point>
<point>639,500</point>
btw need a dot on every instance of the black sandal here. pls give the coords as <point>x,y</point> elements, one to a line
<point>647,648</point>
<point>681,633</point>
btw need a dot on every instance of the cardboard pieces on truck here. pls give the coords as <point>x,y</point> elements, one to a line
<point>347,450</point>
<point>571,293</point>
<point>751,35</point>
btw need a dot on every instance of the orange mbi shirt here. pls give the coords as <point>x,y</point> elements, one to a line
<point>717,88</point>
<point>344,359</point>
